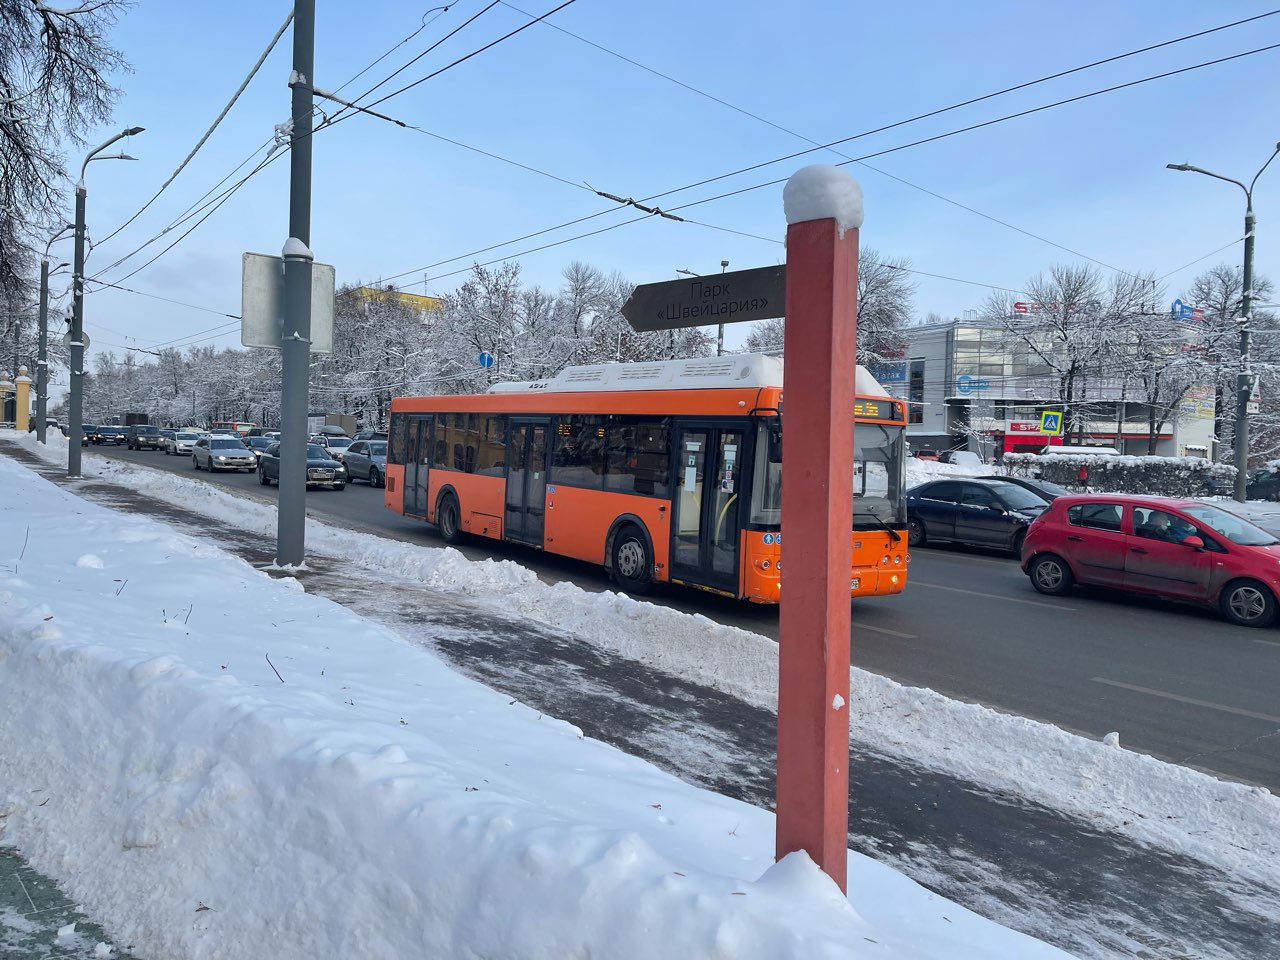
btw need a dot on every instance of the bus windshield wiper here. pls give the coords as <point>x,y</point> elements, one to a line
<point>892,532</point>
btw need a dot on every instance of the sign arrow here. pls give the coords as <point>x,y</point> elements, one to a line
<point>738,297</point>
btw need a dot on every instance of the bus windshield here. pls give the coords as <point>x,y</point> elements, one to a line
<point>877,476</point>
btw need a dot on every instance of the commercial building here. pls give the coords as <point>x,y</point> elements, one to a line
<point>973,387</point>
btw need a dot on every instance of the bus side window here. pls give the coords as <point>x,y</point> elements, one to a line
<point>491,459</point>
<point>399,438</point>
<point>637,456</point>
<point>579,456</point>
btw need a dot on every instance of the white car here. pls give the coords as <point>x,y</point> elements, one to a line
<point>182,442</point>
<point>335,446</point>
<point>222,452</point>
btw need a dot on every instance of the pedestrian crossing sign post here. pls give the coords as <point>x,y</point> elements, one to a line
<point>1051,422</point>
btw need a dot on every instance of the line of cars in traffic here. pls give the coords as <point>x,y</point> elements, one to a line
<point>1179,549</point>
<point>333,458</point>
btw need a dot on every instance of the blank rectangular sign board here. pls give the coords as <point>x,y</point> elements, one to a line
<point>262,303</point>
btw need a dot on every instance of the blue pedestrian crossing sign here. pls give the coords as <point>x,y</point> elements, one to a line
<point>1051,422</point>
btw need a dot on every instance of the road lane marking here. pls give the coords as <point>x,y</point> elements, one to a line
<point>963,557</point>
<point>991,596</point>
<point>1190,700</point>
<point>893,633</point>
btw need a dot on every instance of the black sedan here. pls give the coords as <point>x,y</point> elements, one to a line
<point>1042,488</point>
<point>985,513</point>
<point>322,469</point>
<point>111,435</point>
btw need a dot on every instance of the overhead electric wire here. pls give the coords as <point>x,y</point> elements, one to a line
<point>1227,246</point>
<point>271,158</point>
<point>473,53</point>
<point>156,296</point>
<point>967,129</point>
<point>342,115</point>
<point>438,11</point>
<point>915,186</point>
<point>212,127</point>
<point>742,190</point>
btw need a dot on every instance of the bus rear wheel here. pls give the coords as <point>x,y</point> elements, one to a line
<point>632,560</point>
<point>448,519</point>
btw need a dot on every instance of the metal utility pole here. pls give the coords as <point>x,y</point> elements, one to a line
<point>42,354</point>
<point>295,331</point>
<point>42,358</point>
<point>1244,378</point>
<point>76,408</point>
<point>724,265</point>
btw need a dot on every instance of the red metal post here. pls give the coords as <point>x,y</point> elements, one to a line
<point>817,512</point>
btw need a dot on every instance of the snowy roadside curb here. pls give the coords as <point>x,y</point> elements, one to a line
<point>1229,825</point>
<point>366,800</point>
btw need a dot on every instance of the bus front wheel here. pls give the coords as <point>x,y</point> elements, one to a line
<point>632,561</point>
<point>448,519</point>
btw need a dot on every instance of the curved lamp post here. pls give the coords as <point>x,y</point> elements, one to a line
<point>1244,380</point>
<point>76,412</point>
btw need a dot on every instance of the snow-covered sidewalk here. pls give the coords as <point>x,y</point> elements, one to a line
<point>351,794</point>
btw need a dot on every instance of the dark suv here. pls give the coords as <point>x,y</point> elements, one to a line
<point>142,436</point>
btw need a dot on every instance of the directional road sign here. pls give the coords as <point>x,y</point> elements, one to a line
<point>485,359</point>
<point>736,297</point>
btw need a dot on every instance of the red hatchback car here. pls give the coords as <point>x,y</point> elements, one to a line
<point>1182,549</point>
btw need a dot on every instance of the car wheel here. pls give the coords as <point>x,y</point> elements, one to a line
<point>1018,539</point>
<point>448,519</point>
<point>632,564</point>
<point>916,536</point>
<point>1247,603</point>
<point>1050,574</point>
<point>194,462</point>
<point>262,477</point>
<point>339,486</point>
<point>375,479</point>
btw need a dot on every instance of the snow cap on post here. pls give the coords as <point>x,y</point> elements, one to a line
<point>823,192</point>
<point>293,247</point>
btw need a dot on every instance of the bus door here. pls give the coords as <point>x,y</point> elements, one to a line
<point>416,459</point>
<point>705,525</point>
<point>526,497</point>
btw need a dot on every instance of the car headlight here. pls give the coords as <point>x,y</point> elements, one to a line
<point>220,457</point>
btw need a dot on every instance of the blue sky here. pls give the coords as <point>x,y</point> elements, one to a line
<point>1090,176</point>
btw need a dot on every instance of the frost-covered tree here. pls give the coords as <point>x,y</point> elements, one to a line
<point>55,68</point>
<point>886,297</point>
<point>1218,291</point>
<point>1071,327</point>
<point>885,303</point>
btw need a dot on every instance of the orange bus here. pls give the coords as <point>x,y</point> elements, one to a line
<point>660,472</point>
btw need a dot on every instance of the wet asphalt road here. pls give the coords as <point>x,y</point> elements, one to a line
<point>1173,680</point>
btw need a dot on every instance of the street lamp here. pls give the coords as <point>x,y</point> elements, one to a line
<point>724,265</point>
<point>42,358</point>
<point>76,413</point>
<point>1244,385</point>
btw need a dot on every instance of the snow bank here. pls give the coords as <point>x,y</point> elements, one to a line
<point>220,765</point>
<point>922,471</point>
<point>1230,825</point>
